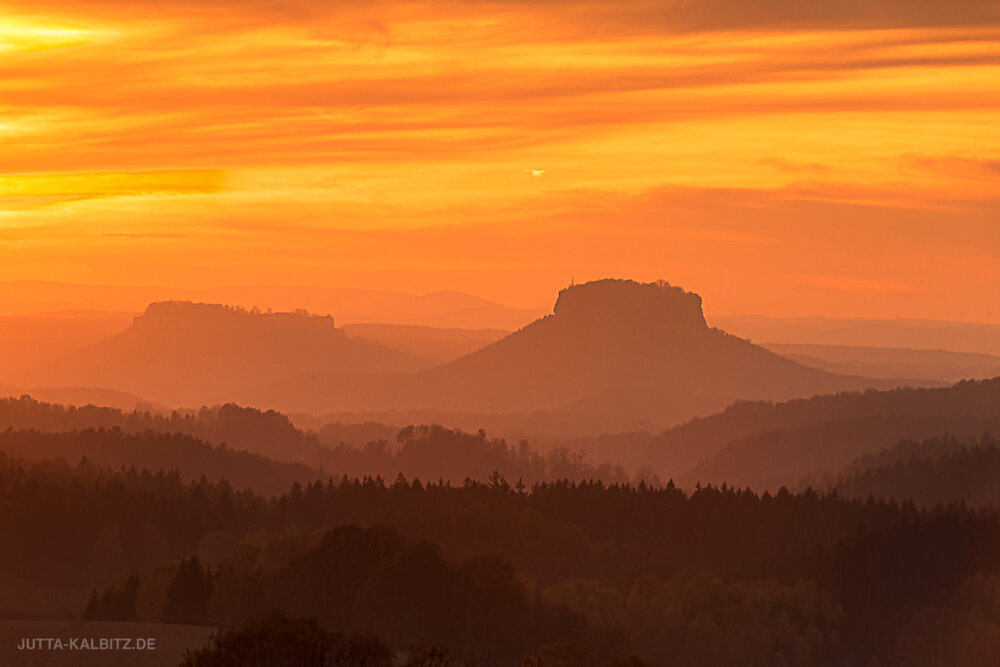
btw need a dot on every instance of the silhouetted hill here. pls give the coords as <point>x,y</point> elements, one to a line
<point>190,457</point>
<point>184,353</point>
<point>767,445</point>
<point>638,354</point>
<point>939,470</point>
<point>269,434</point>
<point>83,396</point>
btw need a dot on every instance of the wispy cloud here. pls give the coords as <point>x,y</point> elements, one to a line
<point>304,138</point>
<point>955,166</point>
<point>24,191</point>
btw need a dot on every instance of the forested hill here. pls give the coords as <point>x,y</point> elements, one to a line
<point>774,444</point>
<point>267,433</point>
<point>939,470</point>
<point>144,439</point>
<point>185,455</point>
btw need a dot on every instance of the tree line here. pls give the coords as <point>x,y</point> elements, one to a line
<point>191,441</point>
<point>506,569</point>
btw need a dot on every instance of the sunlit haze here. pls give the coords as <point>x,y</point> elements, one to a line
<point>790,159</point>
<point>500,333</point>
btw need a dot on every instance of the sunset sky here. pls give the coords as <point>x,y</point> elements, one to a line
<point>781,156</point>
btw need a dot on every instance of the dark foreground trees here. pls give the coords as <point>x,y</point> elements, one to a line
<point>491,571</point>
<point>278,641</point>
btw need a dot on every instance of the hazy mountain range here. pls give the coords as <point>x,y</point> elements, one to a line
<point>887,362</point>
<point>612,356</point>
<point>32,345</point>
<point>641,354</point>
<point>975,337</point>
<point>446,309</point>
<point>637,355</point>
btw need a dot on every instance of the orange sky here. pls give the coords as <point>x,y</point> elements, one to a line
<point>777,156</point>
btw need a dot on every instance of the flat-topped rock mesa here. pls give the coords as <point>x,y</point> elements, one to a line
<point>177,316</point>
<point>183,353</point>
<point>651,307</point>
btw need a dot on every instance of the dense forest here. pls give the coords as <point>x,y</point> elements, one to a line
<point>440,547</point>
<point>267,433</point>
<point>493,571</point>
<point>213,440</point>
<point>936,471</point>
<point>189,457</point>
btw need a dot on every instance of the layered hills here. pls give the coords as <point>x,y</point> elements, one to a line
<point>614,355</point>
<point>763,444</point>
<point>640,355</point>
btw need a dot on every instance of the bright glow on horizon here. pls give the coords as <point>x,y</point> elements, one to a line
<point>23,35</point>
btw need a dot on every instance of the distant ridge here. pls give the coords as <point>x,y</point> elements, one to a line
<point>972,337</point>
<point>446,308</point>
<point>890,362</point>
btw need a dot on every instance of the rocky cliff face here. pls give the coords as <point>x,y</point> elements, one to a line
<point>653,307</point>
<point>179,315</point>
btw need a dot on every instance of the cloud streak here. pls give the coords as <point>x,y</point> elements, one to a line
<point>385,136</point>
